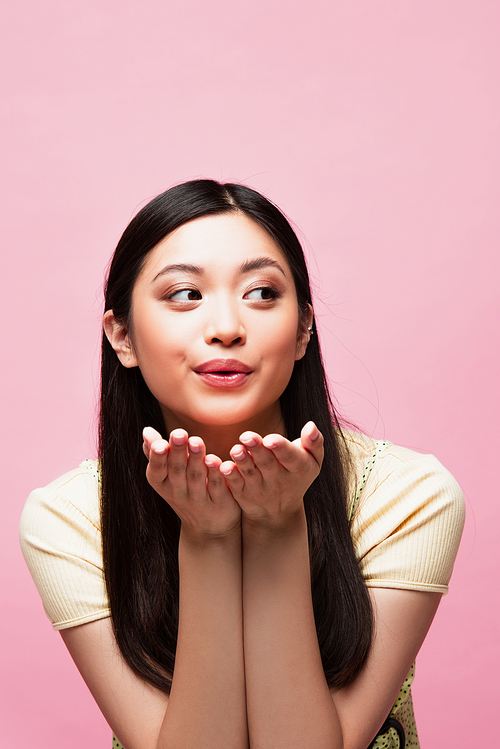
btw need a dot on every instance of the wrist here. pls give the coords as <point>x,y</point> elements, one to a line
<point>271,529</point>
<point>197,538</point>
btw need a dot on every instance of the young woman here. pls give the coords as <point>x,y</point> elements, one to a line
<point>245,574</point>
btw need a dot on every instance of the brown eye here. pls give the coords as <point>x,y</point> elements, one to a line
<point>263,294</point>
<point>185,295</point>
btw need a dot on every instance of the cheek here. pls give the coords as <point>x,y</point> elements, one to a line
<point>157,348</point>
<point>282,343</point>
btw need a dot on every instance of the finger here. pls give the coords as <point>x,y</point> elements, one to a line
<point>312,440</point>
<point>149,435</point>
<point>263,458</point>
<point>196,469</point>
<point>245,463</point>
<point>234,479</point>
<point>178,455</point>
<point>284,451</point>
<point>216,483</point>
<point>157,470</point>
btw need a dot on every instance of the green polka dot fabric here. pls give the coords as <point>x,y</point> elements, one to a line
<point>402,710</point>
<point>381,445</point>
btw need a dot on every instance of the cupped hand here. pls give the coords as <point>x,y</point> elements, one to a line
<point>269,476</point>
<point>190,481</point>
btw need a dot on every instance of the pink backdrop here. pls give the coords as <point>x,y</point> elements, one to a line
<point>375,126</point>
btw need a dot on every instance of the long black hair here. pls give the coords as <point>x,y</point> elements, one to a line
<point>140,532</point>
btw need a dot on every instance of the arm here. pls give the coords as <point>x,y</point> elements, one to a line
<point>288,700</point>
<point>135,710</point>
<point>289,704</point>
<point>281,652</point>
<point>207,702</point>
<point>206,707</point>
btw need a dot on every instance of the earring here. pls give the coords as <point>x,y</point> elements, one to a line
<point>311,331</point>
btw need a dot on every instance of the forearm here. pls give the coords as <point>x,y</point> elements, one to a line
<point>207,706</point>
<point>288,701</point>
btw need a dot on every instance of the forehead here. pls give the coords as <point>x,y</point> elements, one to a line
<point>230,238</point>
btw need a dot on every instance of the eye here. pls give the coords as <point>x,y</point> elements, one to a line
<point>185,295</point>
<point>263,294</point>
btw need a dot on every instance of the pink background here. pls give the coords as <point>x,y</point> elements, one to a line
<point>374,125</point>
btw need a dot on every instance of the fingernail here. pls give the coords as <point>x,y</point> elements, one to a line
<point>194,447</point>
<point>270,442</point>
<point>178,438</point>
<point>248,440</point>
<point>238,454</point>
<point>314,433</point>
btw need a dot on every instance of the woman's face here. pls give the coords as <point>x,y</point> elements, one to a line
<point>215,325</point>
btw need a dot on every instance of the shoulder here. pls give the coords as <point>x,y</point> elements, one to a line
<point>75,493</point>
<point>60,539</point>
<point>410,514</point>
<point>399,475</point>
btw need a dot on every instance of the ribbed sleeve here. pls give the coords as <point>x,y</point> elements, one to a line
<point>409,522</point>
<point>61,542</point>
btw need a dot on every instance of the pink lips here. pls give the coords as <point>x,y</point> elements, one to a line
<point>223,372</point>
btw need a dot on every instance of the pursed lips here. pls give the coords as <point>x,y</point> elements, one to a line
<point>223,372</point>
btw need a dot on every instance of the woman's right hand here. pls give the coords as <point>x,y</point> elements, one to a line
<point>190,481</point>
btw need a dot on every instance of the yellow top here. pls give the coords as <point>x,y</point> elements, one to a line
<point>406,530</point>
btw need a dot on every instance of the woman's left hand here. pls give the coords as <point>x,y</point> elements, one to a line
<point>269,476</point>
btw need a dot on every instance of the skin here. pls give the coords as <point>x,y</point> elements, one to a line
<point>236,312</point>
<point>248,670</point>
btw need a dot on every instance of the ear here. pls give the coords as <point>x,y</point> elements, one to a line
<point>304,332</point>
<point>118,336</point>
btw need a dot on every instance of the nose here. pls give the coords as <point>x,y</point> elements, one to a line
<point>224,324</point>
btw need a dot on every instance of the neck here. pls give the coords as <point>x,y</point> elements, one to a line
<point>220,438</point>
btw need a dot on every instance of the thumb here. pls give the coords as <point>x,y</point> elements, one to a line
<point>311,440</point>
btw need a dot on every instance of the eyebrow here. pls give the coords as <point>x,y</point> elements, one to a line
<point>260,262</point>
<point>182,267</point>
<point>247,267</point>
